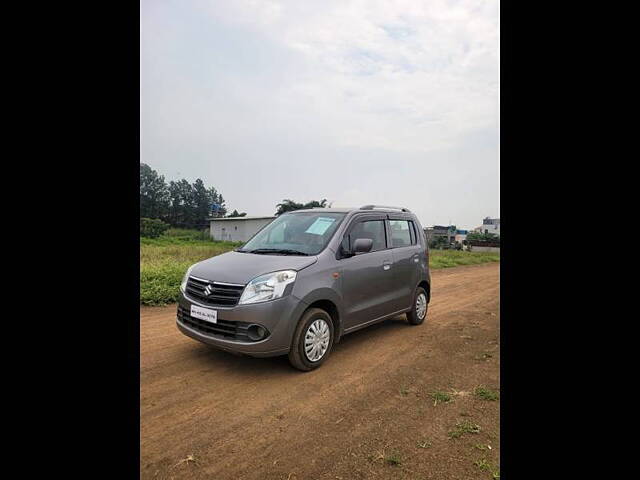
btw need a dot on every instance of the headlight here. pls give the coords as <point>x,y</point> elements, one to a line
<point>267,287</point>
<point>183,285</point>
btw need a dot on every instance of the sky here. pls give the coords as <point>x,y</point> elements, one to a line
<point>358,102</point>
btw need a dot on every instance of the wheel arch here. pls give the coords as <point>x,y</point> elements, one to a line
<point>427,287</point>
<point>332,309</point>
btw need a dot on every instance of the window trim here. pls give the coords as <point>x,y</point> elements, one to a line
<point>360,219</point>
<point>409,223</point>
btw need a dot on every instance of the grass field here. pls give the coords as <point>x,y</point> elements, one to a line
<point>454,258</point>
<point>164,260</point>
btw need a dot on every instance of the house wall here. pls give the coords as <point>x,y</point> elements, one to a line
<point>236,230</point>
<point>492,228</point>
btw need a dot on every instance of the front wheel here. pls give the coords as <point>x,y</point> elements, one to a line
<point>312,340</point>
<point>420,306</point>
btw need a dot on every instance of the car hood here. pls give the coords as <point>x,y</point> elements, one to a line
<point>234,267</point>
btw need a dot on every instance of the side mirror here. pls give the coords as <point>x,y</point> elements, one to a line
<point>362,245</point>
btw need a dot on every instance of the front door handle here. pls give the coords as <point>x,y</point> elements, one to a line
<point>386,265</point>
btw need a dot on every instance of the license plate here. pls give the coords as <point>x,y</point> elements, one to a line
<point>205,314</point>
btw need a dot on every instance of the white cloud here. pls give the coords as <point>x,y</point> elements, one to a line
<point>402,76</point>
<point>410,88</point>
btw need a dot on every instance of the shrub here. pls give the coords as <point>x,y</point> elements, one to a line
<point>152,227</point>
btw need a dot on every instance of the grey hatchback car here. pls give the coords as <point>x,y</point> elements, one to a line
<point>305,280</point>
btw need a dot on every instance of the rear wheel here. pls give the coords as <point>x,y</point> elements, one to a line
<point>312,341</point>
<point>420,306</point>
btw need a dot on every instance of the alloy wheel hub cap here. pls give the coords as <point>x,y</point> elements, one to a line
<point>421,306</point>
<point>316,340</point>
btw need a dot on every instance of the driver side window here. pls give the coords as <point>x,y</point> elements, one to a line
<point>373,229</point>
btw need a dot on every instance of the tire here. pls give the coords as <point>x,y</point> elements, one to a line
<point>412,316</point>
<point>298,357</point>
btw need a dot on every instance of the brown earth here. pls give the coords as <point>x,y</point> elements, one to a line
<point>210,414</point>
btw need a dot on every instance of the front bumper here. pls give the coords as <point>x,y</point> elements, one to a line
<point>279,317</point>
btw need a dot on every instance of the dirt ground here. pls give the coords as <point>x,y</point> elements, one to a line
<point>366,413</point>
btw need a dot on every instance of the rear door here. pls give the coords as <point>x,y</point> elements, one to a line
<point>406,250</point>
<point>367,278</point>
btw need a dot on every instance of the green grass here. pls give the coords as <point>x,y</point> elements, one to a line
<point>393,459</point>
<point>455,258</point>
<point>440,397</point>
<point>487,394</point>
<point>179,236</point>
<point>483,464</point>
<point>464,427</point>
<point>164,260</point>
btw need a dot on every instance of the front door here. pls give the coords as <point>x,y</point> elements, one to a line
<point>367,278</point>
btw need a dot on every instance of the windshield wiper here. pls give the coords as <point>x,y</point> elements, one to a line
<point>284,251</point>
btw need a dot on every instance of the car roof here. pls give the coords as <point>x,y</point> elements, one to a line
<point>349,210</point>
<point>327,210</point>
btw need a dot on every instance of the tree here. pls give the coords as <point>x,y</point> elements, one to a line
<point>154,194</point>
<point>179,203</point>
<point>315,204</point>
<point>438,243</point>
<point>289,205</point>
<point>183,213</point>
<point>236,214</point>
<point>201,203</point>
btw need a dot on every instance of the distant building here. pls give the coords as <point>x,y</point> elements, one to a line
<point>236,229</point>
<point>489,225</point>
<point>448,232</point>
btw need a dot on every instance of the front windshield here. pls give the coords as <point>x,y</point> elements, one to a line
<point>304,233</point>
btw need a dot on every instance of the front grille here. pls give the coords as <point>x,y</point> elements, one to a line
<point>221,295</point>
<point>223,328</point>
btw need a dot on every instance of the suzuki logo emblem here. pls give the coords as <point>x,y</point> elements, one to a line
<point>207,291</point>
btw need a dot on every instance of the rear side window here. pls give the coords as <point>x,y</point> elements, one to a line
<point>401,233</point>
<point>373,229</point>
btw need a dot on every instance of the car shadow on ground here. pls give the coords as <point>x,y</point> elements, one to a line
<point>240,364</point>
